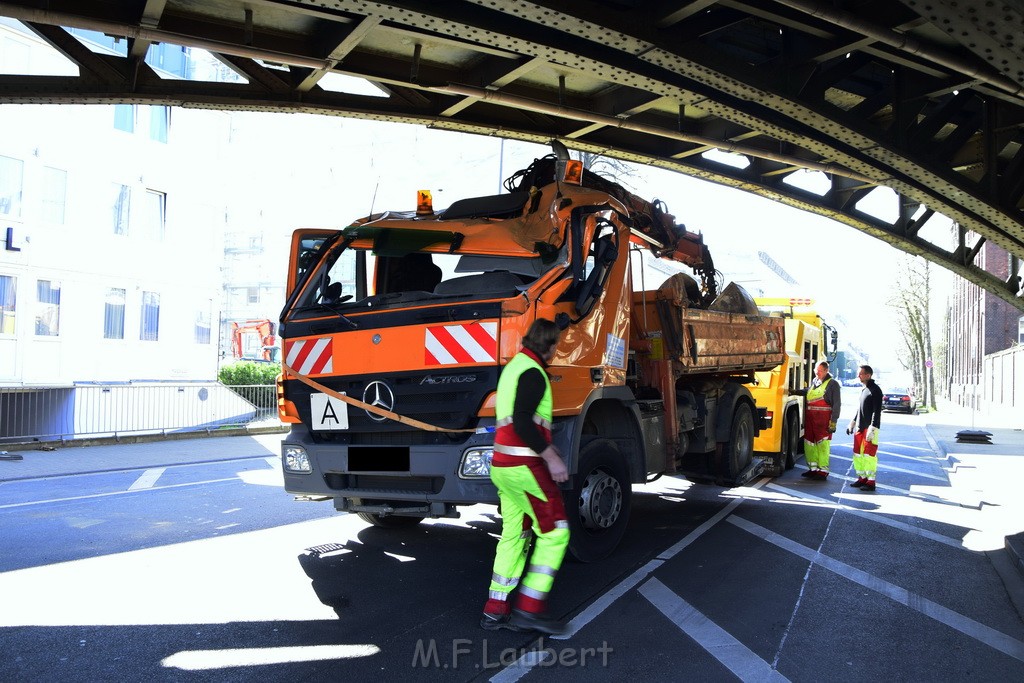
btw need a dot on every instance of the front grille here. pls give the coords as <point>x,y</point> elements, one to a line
<point>416,438</point>
<point>381,484</point>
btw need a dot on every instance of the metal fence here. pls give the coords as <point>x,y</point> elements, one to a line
<point>53,413</point>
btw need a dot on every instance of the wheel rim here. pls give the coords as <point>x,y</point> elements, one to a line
<point>600,500</point>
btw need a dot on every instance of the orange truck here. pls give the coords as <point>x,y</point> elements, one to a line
<point>397,326</point>
<point>809,340</point>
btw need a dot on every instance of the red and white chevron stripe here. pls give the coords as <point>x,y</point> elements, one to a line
<point>310,356</point>
<point>460,344</point>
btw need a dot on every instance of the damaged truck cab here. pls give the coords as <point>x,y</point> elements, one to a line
<point>397,327</point>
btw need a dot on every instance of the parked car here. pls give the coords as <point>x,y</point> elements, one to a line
<point>899,399</point>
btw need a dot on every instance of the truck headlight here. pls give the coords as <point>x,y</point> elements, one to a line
<point>476,463</point>
<point>296,459</point>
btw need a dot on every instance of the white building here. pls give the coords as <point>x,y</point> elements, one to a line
<point>111,226</point>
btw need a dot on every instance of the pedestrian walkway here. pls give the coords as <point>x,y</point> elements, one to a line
<point>968,464</point>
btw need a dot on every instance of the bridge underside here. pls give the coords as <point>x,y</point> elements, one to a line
<point>925,98</point>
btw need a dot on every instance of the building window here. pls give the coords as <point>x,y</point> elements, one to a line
<point>159,122</point>
<point>154,214</point>
<point>149,327</point>
<point>47,308</point>
<point>203,325</point>
<point>8,303</point>
<point>113,314</point>
<point>119,206</point>
<point>10,186</point>
<point>124,117</point>
<point>55,192</point>
<point>252,294</point>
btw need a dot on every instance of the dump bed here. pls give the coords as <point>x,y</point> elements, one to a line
<point>705,341</point>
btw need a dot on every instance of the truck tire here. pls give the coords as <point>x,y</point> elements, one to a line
<point>785,459</point>
<point>794,440</point>
<point>389,521</point>
<point>598,504</point>
<point>738,451</point>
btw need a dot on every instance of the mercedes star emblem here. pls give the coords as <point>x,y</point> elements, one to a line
<point>379,395</point>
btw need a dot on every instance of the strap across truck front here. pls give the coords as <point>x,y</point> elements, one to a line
<point>289,372</point>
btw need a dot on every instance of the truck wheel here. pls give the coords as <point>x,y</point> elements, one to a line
<point>598,504</point>
<point>389,521</point>
<point>738,451</point>
<point>785,459</point>
<point>793,441</point>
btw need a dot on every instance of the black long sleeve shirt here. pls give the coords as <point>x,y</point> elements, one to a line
<point>869,413</point>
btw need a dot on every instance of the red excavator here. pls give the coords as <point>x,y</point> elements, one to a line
<point>254,340</point>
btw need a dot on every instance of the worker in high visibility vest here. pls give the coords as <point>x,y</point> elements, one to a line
<point>525,468</point>
<point>864,427</point>
<point>823,402</point>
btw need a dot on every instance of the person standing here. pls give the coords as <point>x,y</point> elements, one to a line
<point>823,402</point>
<point>525,468</point>
<point>864,427</point>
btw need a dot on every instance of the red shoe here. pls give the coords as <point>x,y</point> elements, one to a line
<point>821,474</point>
<point>868,485</point>
<point>860,482</point>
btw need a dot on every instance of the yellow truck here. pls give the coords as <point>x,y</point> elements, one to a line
<point>809,340</point>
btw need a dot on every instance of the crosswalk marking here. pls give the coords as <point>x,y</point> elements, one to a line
<point>969,627</point>
<point>721,645</point>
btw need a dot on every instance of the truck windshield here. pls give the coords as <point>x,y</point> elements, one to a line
<point>341,285</point>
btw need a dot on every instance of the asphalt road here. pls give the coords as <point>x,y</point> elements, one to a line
<point>211,572</point>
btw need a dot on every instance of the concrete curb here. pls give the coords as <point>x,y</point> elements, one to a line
<point>141,438</point>
<point>1015,549</point>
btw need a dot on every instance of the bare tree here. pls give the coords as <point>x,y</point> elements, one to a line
<point>608,167</point>
<point>911,301</point>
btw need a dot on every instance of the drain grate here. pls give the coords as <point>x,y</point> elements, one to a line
<point>326,548</point>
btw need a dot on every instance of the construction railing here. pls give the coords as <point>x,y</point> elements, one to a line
<point>61,413</point>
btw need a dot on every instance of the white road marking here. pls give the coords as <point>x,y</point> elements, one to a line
<point>969,627</point>
<point>148,479</point>
<point>833,475</point>
<point>893,468</point>
<point>522,666</point>
<point>274,461</point>
<point>734,655</point>
<point>876,517</point>
<point>114,493</point>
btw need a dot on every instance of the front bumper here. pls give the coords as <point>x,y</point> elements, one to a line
<point>422,477</point>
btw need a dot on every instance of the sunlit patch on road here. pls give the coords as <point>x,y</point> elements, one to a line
<point>205,660</point>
